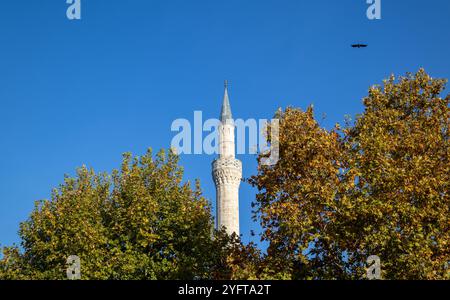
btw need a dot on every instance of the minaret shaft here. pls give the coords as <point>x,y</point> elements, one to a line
<point>227,173</point>
<point>226,140</point>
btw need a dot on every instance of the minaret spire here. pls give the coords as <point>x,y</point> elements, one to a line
<point>225,114</point>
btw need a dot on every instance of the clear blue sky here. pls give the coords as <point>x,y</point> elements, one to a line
<point>84,92</point>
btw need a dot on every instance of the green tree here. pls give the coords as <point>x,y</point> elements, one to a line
<point>139,223</point>
<point>378,187</point>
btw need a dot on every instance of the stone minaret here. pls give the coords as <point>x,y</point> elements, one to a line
<point>227,172</point>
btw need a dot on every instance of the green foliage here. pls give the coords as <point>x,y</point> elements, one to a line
<point>139,223</point>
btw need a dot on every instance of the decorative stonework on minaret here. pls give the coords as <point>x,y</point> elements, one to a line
<point>227,172</point>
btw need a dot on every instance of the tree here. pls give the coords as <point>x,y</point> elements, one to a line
<point>296,203</point>
<point>399,160</point>
<point>379,187</point>
<point>139,223</point>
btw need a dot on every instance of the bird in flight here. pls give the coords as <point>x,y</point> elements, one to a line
<point>359,46</point>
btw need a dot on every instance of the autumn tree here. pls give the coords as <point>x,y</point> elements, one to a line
<point>296,203</point>
<point>399,161</point>
<point>378,187</point>
<point>140,222</point>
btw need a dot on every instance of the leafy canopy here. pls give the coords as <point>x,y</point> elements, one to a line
<point>138,223</point>
<point>378,187</point>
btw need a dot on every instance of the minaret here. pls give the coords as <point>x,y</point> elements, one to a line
<point>227,172</point>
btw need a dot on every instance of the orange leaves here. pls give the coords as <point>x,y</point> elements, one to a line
<point>306,179</point>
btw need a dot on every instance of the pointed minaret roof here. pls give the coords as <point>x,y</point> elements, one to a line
<point>225,114</point>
